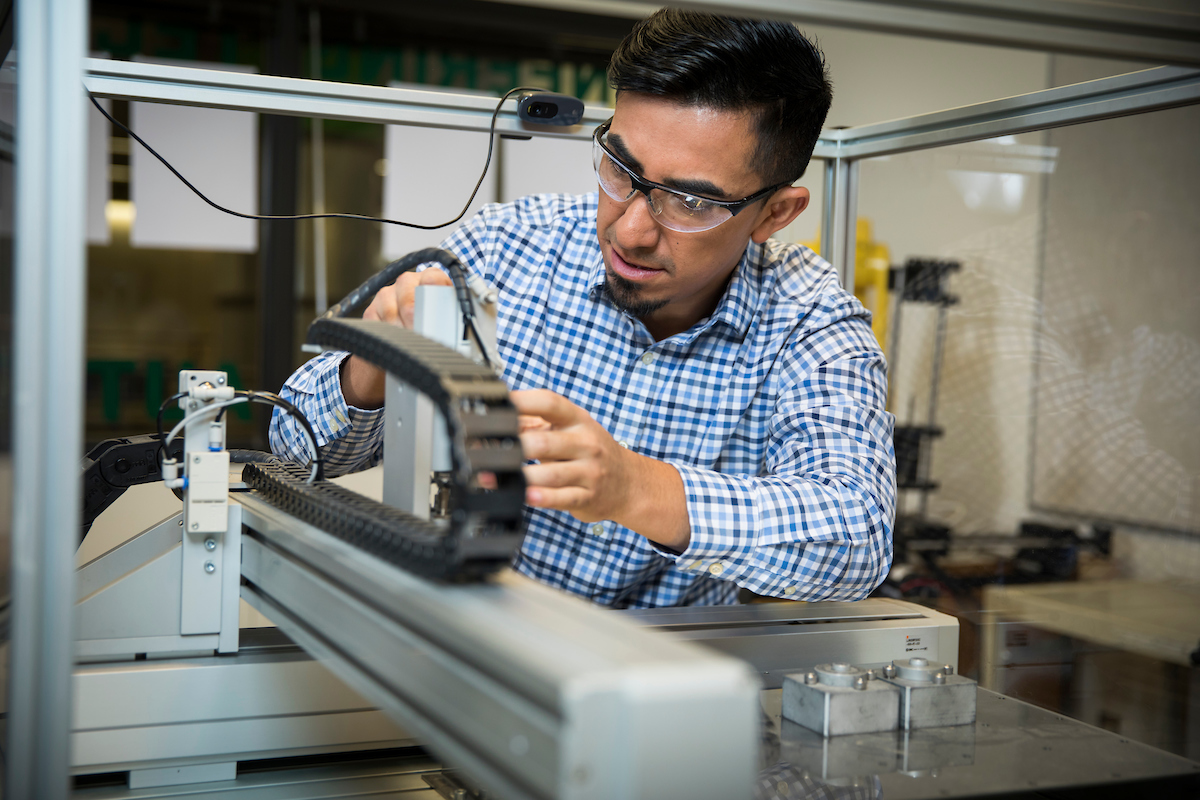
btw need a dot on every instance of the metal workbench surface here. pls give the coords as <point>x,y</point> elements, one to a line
<point>1013,750</point>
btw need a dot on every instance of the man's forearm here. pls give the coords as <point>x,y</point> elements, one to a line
<point>658,504</point>
<point>363,384</point>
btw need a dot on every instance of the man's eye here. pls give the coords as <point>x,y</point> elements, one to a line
<point>690,203</point>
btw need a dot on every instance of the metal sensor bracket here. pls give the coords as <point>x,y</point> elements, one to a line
<point>206,509</point>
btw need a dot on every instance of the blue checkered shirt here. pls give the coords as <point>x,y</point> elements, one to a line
<point>772,410</point>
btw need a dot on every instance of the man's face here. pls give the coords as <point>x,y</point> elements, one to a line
<point>672,280</point>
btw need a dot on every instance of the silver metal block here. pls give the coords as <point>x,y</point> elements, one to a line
<point>837,699</point>
<point>931,695</point>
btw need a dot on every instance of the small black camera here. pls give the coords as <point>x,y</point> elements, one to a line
<point>549,108</point>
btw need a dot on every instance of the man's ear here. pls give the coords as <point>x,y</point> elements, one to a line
<point>783,207</point>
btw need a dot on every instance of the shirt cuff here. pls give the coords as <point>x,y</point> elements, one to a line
<point>722,524</point>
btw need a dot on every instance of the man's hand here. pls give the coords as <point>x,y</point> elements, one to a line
<point>363,383</point>
<point>584,471</point>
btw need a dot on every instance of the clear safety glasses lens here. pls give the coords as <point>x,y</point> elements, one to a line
<point>678,212</point>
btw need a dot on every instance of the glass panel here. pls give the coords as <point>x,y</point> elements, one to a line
<point>1045,357</point>
<point>153,310</point>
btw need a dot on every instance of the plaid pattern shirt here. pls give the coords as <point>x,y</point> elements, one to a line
<point>772,410</point>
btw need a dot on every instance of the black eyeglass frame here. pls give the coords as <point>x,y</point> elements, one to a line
<point>644,186</point>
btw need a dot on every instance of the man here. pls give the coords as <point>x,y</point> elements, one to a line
<point>710,402</point>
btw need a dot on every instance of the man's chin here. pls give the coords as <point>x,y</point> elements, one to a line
<point>627,295</point>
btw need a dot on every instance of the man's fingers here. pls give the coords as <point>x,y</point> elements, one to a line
<point>525,423</point>
<point>566,499</point>
<point>434,277</point>
<point>384,307</point>
<point>546,444</point>
<point>554,408</point>
<point>554,475</point>
<point>396,303</point>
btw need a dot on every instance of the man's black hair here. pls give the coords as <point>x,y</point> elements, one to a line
<point>730,64</point>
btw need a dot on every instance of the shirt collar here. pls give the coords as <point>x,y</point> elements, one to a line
<point>738,305</point>
<point>596,277</point>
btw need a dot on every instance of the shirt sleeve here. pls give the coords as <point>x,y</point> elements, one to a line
<point>349,438</point>
<point>817,525</point>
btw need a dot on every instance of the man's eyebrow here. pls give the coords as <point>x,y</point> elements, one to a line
<point>695,186</point>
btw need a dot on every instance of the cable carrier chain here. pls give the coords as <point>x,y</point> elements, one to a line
<point>485,521</point>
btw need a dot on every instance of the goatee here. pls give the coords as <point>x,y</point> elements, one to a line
<point>625,295</point>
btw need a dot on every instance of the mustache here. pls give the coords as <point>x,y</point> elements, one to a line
<point>638,260</point>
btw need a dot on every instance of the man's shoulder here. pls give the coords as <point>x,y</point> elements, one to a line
<point>803,282</point>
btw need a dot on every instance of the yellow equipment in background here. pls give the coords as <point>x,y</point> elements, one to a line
<point>872,264</point>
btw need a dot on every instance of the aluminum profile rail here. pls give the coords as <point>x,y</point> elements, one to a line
<point>49,309</point>
<point>269,94</point>
<point>1134,93</point>
<point>530,692</point>
<point>1107,30</point>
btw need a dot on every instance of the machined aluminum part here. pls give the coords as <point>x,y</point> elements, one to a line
<point>931,695</point>
<point>842,699</point>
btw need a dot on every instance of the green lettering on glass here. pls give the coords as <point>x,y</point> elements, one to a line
<point>110,373</point>
<point>458,70</point>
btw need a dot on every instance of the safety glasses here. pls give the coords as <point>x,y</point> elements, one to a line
<point>679,211</point>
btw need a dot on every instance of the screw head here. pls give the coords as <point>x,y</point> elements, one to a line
<point>860,683</point>
<point>810,678</point>
<point>948,669</point>
<point>210,544</point>
<point>195,526</point>
<point>939,677</point>
<point>221,380</point>
<point>889,671</point>
<point>196,460</point>
<point>210,567</point>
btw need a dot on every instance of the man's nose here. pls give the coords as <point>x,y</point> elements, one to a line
<point>637,228</point>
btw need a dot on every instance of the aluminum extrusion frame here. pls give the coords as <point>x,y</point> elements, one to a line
<point>49,287</point>
<point>270,94</point>
<point>531,692</point>
<point>1121,95</point>
<point>1107,30</point>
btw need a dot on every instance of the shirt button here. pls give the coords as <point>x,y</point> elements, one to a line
<point>790,590</point>
<point>598,528</point>
<point>717,568</point>
<point>647,358</point>
<point>624,444</point>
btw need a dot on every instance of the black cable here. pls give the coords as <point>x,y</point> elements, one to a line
<point>360,296</point>
<point>332,215</point>
<point>162,408</point>
<point>162,449</point>
<point>268,398</point>
<point>271,398</point>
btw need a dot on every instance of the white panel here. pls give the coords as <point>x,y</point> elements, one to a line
<point>218,152</point>
<point>430,174</point>
<point>540,165</point>
<point>99,188</point>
